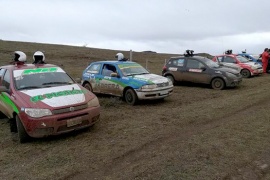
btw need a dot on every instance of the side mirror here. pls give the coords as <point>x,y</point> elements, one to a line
<point>114,75</point>
<point>4,89</point>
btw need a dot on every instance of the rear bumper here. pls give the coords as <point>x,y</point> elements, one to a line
<point>60,123</point>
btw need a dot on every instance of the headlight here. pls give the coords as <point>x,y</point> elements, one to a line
<point>170,82</point>
<point>230,75</point>
<point>93,103</point>
<point>150,86</point>
<point>37,113</point>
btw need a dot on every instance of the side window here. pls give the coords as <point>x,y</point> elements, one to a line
<point>2,71</point>
<point>194,64</point>
<point>219,59</point>
<point>228,60</point>
<point>6,79</point>
<point>94,69</point>
<point>108,69</point>
<point>178,62</point>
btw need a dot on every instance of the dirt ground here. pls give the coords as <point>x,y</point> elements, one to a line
<point>196,133</point>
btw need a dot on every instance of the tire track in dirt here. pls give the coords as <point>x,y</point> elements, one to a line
<point>119,163</point>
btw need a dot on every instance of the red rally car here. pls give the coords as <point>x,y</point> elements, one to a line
<point>249,68</point>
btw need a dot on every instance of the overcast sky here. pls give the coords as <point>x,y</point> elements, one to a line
<point>164,26</point>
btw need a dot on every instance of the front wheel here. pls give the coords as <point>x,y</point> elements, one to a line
<point>171,78</point>
<point>131,97</point>
<point>218,84</point>
<point>22,134</point>
<point>245,73</point>
<point>88,87</point>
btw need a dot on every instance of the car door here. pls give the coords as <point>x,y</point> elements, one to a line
<point>110,80</point>
<point>195,71</point>
<point>176,68</point>
<point>93,76</point>
<point>6,104</point>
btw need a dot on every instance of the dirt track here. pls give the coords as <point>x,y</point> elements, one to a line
<point>197,133</point>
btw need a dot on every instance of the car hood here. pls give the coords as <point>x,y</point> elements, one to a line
<point>54,97</point>
<point>150,78</point>
<point>253,64</point>
<point>231,65</point>
<point>227,69</point>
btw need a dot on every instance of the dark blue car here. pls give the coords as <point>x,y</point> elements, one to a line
<point>252,57</point>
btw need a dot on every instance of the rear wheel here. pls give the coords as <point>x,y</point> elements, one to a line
<point>131,97</point>
<point>171,78</point>
<point>22,134</point>
<point>88,87</point>
<point>245,73</point>
<point>218,84</point>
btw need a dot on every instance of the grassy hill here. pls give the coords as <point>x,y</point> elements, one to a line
<point>75,59</point>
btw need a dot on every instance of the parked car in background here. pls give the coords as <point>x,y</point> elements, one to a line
<point>248,68</point>
<point>199,69</point>
<point>125,79</point>
<point>251,57</point>
<point>42,100</point>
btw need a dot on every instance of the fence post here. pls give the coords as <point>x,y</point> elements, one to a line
<point>130,55</point>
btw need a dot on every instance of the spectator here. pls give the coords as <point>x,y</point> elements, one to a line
<point>265,58</point>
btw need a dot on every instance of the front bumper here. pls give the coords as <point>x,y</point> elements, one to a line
<point>233,82</point>
<point>257,72</point>
<point>60,123</point>
<point>154,94</point>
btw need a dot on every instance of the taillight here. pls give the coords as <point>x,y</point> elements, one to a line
<point>164,68</point>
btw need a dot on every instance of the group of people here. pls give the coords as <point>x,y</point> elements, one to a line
<point>265,60</point>
<point>20,57</point>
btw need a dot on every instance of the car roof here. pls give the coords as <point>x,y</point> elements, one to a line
<point>195,57</point>
<point>27,66</point>
<point>116,62</point>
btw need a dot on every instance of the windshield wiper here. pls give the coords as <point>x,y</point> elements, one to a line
<point>29,87</point>
<point>56,83</point>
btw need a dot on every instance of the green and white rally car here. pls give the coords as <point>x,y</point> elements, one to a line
<point>125,79</point>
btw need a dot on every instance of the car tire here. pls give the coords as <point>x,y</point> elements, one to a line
<point>171,78</point>
<point>131,97</point>
<point>23,137</point>
<point>88,87</point>
<point>217,83</point>
<point>245,73</point>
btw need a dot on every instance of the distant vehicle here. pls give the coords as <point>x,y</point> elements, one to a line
<point>251,57</point>
<point>248,68</point>
<point>125,79</point>
<point>198,69</point>
<point>42,100</point>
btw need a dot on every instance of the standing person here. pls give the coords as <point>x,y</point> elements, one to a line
<point>265,58</point>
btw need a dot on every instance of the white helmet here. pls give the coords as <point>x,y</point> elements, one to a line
<point>19,56</point>
<point>39,56</point>
<point>119,56</point>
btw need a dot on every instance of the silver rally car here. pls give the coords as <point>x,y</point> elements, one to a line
<point>199,69</point>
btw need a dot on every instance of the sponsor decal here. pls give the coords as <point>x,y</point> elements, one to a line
<point>39,70</point>
<point>195,70</point>
<point>4,98</point>
<point>56,94</point>
<point>172,69</point>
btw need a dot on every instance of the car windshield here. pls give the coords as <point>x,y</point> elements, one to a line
<point>130,69</point>
<point>211,63</point>
<point>40,78</point>
<point>242,59</point>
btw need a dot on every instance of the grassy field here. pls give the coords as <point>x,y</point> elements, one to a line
<point>197,133</point>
